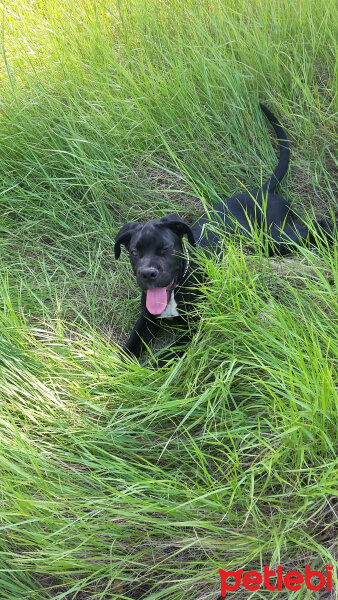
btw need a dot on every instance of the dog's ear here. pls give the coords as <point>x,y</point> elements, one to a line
<point>124,235</point>
<point>178,226</point>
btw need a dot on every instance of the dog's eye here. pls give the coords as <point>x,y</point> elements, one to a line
<point>133,252</point>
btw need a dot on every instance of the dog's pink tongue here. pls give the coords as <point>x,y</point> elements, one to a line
<point>156,300</point>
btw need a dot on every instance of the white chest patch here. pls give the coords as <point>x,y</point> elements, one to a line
<point>171,308</point>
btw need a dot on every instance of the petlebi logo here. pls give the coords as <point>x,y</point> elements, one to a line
<point>290,580</point>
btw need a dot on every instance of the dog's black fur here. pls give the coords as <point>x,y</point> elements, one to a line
<point>159,259</point>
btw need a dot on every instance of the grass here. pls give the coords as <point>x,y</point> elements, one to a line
<point>118,481</point>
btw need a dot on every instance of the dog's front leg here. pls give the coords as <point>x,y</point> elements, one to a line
<point>141,335</point>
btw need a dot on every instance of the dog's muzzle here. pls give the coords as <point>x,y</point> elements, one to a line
<point>157,298</point>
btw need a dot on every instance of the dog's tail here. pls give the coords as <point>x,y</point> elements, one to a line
<point>284,153</point>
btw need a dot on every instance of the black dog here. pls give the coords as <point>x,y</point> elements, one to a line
<point>161,262</point>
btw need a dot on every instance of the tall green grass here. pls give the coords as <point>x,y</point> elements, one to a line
<point>118,481</point>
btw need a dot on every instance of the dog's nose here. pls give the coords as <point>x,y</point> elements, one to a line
<point>148,275</point>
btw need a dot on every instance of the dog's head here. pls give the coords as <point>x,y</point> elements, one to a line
<point>156,255</point>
